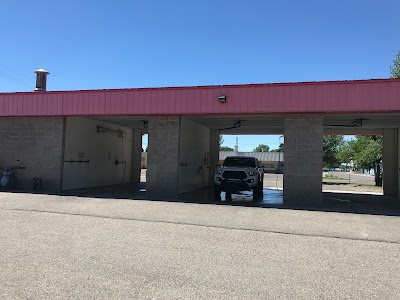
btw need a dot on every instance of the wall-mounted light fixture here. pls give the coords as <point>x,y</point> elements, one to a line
<point>222,99</point>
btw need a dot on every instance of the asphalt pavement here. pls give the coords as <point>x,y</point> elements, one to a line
<point>66,247</point>
<point>355,178</point>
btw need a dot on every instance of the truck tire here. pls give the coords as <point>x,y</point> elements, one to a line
<point>261,184</point>
<point>258,192</point>
<point>217,192</point>
<point>228,197</point>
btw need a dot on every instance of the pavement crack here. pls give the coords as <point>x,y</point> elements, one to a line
<point>366,239</point>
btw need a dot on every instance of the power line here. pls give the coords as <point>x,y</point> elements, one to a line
<point>9,74</point>
<point>16,73</point>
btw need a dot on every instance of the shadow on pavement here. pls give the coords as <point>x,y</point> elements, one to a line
<point>332,201</point>
<point>362,203</point>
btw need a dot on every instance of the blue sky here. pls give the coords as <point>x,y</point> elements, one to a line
<point>122,44</point>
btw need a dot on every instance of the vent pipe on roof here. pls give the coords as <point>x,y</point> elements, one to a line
<point>41,79</point>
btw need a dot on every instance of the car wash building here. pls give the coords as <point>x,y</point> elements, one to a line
<point>88,138</point>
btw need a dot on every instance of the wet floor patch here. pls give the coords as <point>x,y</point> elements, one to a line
<point>269,197</point>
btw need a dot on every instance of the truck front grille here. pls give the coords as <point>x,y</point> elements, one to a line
<point>234,175</point>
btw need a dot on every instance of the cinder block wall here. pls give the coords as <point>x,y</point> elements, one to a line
<point>163,157</point>
<point>36,144</point>
<point>302,177</point>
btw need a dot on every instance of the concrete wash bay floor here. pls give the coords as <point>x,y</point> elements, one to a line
<point>68,247</point>
<point>338,195</point>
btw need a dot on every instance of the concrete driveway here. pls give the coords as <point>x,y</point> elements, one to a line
<point>62,247</point>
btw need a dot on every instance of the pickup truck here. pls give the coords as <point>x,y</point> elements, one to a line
<point>239,173</point>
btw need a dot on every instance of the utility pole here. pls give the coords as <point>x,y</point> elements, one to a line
<point>237,146</point>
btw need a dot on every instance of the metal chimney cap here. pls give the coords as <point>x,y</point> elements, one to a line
<point>41,71</point>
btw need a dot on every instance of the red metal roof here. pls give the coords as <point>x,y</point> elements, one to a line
<point>357,96</point>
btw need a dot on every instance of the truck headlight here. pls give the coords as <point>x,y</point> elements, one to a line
<point>219,172</point>
<point>252,173</point>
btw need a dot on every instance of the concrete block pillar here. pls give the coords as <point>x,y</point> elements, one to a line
<point>391,161</point>
<point>136,155</point>
<point>214,154</point>
<point>302,176</point>
<point>163,157</point>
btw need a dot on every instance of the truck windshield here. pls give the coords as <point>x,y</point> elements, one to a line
<point>240,162</point>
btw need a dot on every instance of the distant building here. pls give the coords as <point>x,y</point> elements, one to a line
<point>272,161</point>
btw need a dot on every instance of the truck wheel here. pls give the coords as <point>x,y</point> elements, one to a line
<point>261,184</point>
<point>258,192</point>
<point>217,192</point>
<point>228,197</point>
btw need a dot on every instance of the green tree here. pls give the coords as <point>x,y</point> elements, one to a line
<point>225,148</point>
<point>331,146</point>
<point>280,149</point>
<point>261,148</point>
<point>395,69</point>
<point>345,152</point>
<point>365,152</point>
<point>368,155</point>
